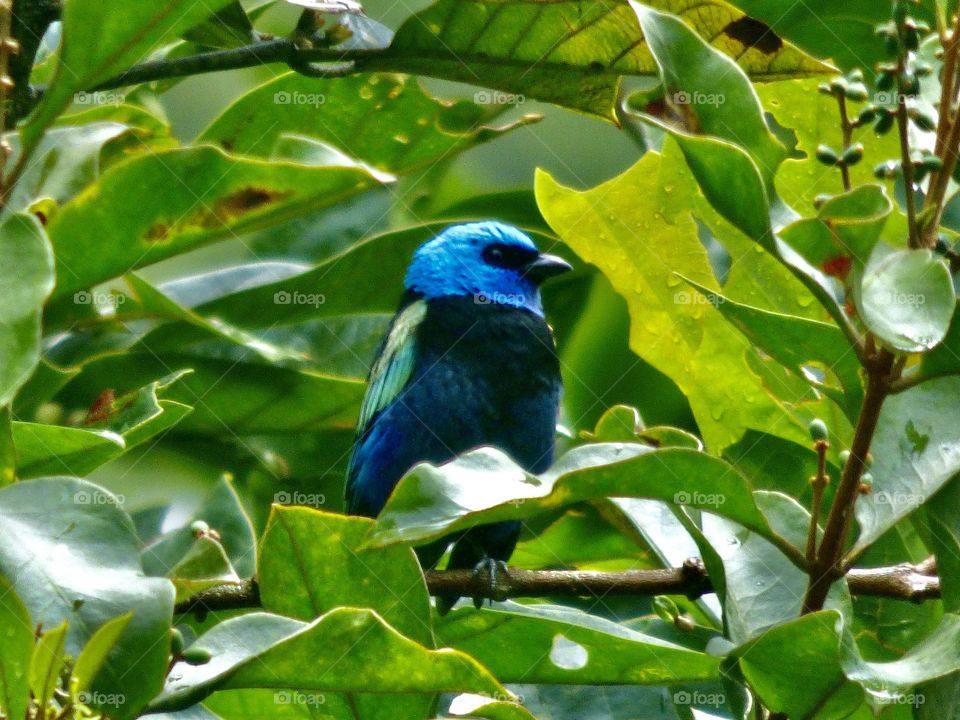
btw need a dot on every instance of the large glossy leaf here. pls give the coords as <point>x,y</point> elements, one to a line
<point>907,299</point>
<point>25,282</point>
<point>916,449</point>
<point>485,486</point>
<point>17,631</point>
<point>161,204</point>
<point>569,53</point>
<point>311,562</point>
<point>101,38</point>
<point>56,537</point>
<point>716,99</point>
<point>553,644</point>
<point>795,668</point>
<point>124,423</point>
<point>384,119</point>
<point>346,649</point>
<point>637,231</point>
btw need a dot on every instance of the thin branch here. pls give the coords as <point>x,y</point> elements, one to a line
<point>914,583</point>
<point>819,482</point>
<point>827,567</point>
<point>846,128</point>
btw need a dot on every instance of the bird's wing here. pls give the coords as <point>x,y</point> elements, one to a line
<point>394,365</point>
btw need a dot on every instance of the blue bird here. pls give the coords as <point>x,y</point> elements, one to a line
<point>468,360</point>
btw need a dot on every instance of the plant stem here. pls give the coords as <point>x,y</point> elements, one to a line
<point>826,569</point>
<point>903,128</point>
<point>847,129</point>
<point>819,484</point>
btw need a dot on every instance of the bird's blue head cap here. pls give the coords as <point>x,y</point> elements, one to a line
<point>489,261</point>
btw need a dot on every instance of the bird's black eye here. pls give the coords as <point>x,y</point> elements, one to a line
<point>508,256</point>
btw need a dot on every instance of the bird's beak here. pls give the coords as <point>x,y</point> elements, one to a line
<point>546,266</point>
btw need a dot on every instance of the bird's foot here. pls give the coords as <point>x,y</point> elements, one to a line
<point>490,568</point>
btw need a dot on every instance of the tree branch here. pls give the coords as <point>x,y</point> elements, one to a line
<point>915,583</point>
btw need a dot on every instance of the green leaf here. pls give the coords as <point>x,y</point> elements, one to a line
<point>47,664</point>
<point>715,97</point>
<point>638,231</point>
<point>260,650</point>
<point>479,706</point>
<point>25,283</point>
<point>229,27</point>
<point>312,562</point>
<point>841,32</point>
<point>944,359</point>
<point>132,419</point>
<point>102,38</point>
<point>907,298</point>
<point>95,652</point>
<point>564,645</point>
<point>916,450</point>
<point>565,52</point>
<point>162,204</point>
<point>394,124</point>
<point>943,519</point>
<point>433,501</point>
<point>56,536</point>
<point>795,668</point>
<point>847,227</point>
<point>59,173</point>
<point>812,117</point>
<point>798,344</point>
<point>17,631</point>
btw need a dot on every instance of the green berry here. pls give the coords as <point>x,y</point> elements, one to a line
<point>885,80</point>
<point>818,429</point>
<point>838,86</point>
<point>922,119</point>
<point>845,457</point>
<point>884,124</point>
<point>199,528</point>
<point>855,75</point>
<point>827,155</point>
<point>857,92</point>
<point>197,656</point>
<point>866,115</point>
<point>852,155</point>
<point>887,170</point>
<point>176,642</point>
<point>665,608</point>
<point>931,163</point>
<point>866,478</point>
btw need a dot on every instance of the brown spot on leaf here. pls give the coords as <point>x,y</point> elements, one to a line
<point>837,266</point>
<point>243,201</point>
<point>157,232</point>
<point>754,34</point>
<point>101,408</point>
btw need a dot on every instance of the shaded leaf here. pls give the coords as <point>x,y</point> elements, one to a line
<point>17,652</point>
<point>25,282</point>
<point>263,650</point>
<point>56,536</point>
<point>393,124</point>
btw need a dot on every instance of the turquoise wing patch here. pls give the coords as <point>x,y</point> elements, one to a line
<point>392,369</point>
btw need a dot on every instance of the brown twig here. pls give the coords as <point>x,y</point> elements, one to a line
<point>904,582</point>
<point>846,128</point>
<point>819,482</point>
<point>827,568</point>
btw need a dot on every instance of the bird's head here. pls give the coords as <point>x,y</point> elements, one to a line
<point>489,261</point>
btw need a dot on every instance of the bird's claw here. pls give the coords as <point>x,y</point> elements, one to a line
<point>491,568</point>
